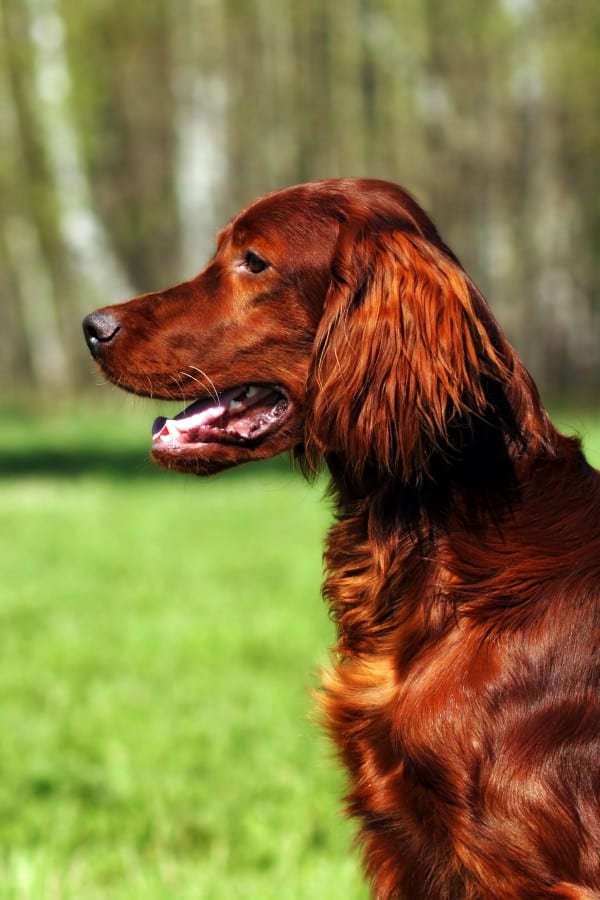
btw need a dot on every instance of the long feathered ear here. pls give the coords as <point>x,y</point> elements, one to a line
<point>405,359</point>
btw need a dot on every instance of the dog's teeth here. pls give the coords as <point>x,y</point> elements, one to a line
<point>244,395</point>
<point>172,428</point>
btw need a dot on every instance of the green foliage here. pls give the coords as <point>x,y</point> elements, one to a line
<point>160,638</point>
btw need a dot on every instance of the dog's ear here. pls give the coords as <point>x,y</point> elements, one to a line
<point>403,360</point>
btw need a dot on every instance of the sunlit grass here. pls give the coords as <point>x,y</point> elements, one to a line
<point>160,637</point>
<point>160,640</point>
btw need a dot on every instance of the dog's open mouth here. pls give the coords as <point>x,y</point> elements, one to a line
<point>241,416</point>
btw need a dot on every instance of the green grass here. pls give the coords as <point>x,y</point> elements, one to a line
<point>160,637</point>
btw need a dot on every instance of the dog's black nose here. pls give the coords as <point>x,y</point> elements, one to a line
<point>99,328</point>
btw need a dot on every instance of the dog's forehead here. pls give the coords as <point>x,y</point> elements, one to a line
<point>311,215</point>
<point>291,217</point>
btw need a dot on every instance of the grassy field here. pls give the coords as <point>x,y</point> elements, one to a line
<point>160,637</point>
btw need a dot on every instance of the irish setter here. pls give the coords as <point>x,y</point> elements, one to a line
<point>463,569</point>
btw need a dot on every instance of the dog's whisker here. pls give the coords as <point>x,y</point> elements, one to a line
<point>212,389</point>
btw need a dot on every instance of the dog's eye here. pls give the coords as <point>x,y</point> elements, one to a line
<point>254,263</point>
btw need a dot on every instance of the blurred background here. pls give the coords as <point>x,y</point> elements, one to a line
<point>160,636</point>
<point>131,131</point>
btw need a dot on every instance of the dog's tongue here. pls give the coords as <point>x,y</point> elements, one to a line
<point>203,413</point>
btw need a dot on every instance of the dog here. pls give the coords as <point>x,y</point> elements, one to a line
<point>463,568</point>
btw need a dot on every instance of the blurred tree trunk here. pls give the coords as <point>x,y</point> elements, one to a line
<point>36,273</point>
<point>122,103</point>
<point>199,110</point>
<point>15,362</point>
<point>571,63</point>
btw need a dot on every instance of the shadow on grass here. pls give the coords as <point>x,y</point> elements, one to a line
<point>109,462</point>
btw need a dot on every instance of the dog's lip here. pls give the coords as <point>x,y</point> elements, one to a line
<point>239,415</point>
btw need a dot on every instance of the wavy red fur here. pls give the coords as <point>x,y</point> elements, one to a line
<point>463,571</point>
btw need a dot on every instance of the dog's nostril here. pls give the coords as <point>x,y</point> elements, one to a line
<point>99,328</point>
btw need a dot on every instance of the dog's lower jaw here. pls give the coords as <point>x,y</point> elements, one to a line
<point>212,457</point>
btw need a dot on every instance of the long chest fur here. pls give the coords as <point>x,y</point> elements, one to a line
<point>435,711</point>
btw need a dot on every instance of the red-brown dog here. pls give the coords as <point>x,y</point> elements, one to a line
<point>464,567</point>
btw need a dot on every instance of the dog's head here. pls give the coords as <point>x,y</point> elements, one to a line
<point>332,316</point>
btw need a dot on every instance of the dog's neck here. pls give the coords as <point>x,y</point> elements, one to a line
<point>390,543</point>
<point>372,566</point>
